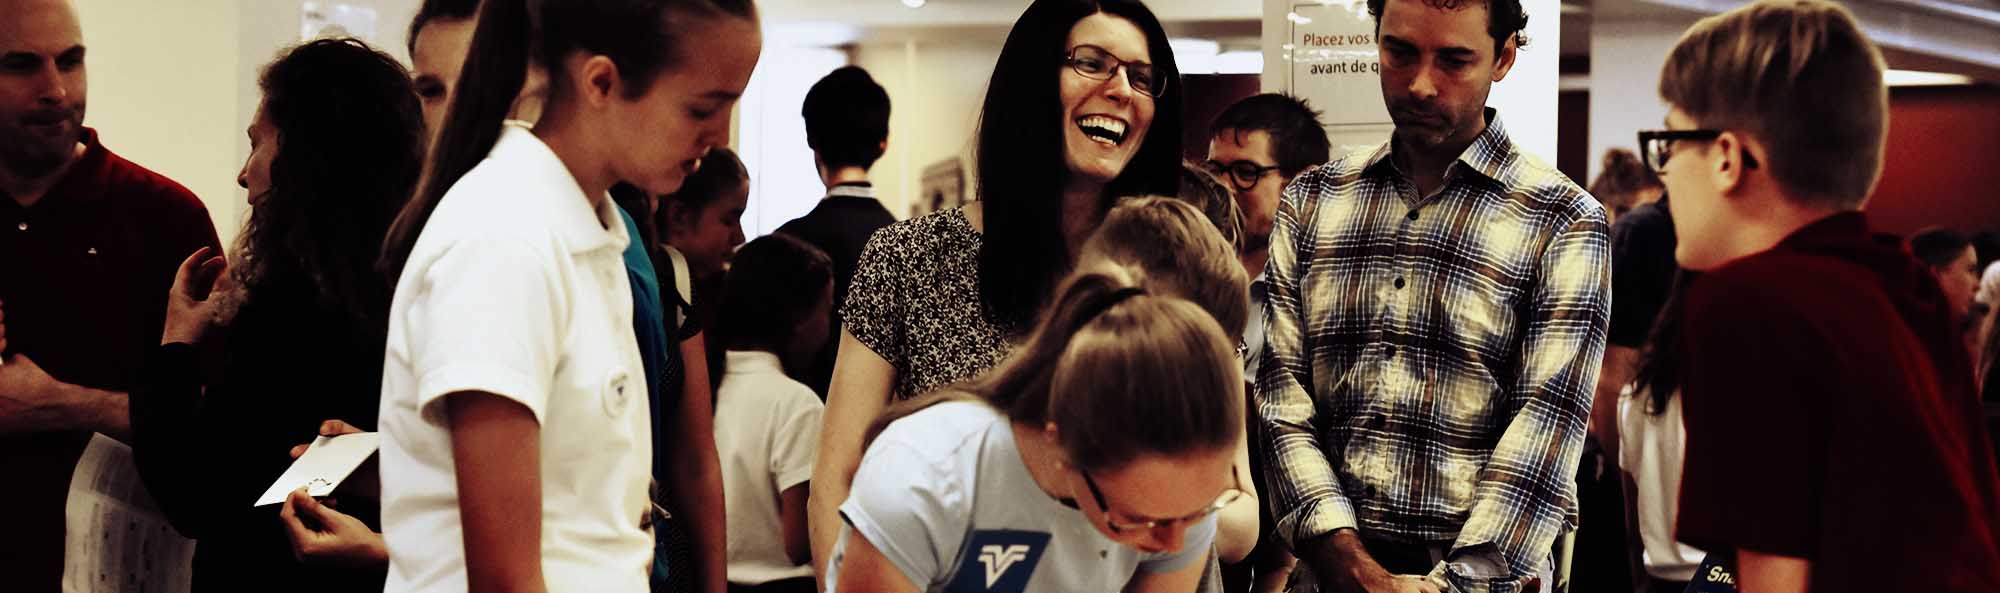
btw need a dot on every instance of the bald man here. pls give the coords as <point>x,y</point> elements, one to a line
<point>89,244</point>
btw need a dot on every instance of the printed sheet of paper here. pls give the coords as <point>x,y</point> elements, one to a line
<point>116,538</point>
<point>325,464</point>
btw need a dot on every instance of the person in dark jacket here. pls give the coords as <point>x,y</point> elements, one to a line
<point>298,321</point>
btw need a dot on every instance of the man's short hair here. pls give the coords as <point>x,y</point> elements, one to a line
<point>1505,19</point>
<point>1801,78</point>
<point>847,118</point>
<point>1298,141</point>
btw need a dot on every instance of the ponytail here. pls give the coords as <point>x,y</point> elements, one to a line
<point>1109,352</point>
<point>496,67</point>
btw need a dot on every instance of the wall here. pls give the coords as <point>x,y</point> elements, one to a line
<point>935,90</point>
<point>1942,163</point>
<point>162,92</point>
<point>1625,58</point>
<point>784,183</point>
<point>174,84</point>
<point>1526,99</point>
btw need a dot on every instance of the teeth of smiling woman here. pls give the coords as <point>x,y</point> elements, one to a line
<point>1103,129</point>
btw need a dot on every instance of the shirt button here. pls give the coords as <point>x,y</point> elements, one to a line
<point>1413,215</point>
<point>22,226</point>
<point>1392,351</point>
<point>1399,283</point>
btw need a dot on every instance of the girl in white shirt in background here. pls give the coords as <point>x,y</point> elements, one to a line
<point>1651,443</point>
<point>776,303</point>
<point>515,449</point>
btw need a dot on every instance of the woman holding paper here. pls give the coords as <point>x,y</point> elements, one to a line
<point>303,311</point>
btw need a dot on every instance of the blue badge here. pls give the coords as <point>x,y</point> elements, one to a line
<point>999,561</point>
<point>1716,575</point>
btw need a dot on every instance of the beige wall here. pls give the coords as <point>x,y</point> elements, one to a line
<point>162,92</point>
<point>174,84</point>
<point>934,92</point>
<point>1625,57</point>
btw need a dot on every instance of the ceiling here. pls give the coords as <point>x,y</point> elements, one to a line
<point>1000,13</point>
<point>1961,36</point>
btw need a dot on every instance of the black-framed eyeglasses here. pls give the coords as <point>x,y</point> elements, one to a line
<point>1228,497</point>
<point>1657,146</point>
<point>1097,63</point>
<point>1242,174</point>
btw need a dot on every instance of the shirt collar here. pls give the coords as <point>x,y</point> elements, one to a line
<point>1489,154</point>
<point>582,227</point>
<point>1844,227</point>
<point>861,189</point>
<point>753,361</point>
<point>86,179</point>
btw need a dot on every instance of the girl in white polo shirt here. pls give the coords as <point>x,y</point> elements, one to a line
<point>515,451</point>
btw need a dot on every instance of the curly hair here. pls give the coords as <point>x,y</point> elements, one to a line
<point>350,138</point>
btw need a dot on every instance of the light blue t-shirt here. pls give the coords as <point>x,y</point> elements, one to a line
<point>945,497</point>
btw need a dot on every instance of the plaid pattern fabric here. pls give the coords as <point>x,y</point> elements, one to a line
<point>1430,361</point>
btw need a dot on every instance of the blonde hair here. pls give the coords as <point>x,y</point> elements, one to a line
<point>1172,248</point>
<point>1107,353</point>
<point>1800,77</point>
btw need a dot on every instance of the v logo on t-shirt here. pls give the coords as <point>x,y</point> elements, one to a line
<point>991,559</point>
<point>998,558</point>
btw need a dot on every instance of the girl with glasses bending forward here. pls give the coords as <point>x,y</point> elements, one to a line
<point>1094,460</point>
<point>516,435</point>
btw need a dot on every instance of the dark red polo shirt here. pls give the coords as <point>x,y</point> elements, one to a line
<point>84,275</point>
<point>1831,415</point>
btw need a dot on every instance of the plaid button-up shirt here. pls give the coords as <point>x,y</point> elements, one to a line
<point>1430,359</point>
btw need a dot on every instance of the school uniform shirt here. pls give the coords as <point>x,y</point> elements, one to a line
<point>1650,445</point>
<point>944,495</point>
<point>517,288</point>
<point>766,434</point>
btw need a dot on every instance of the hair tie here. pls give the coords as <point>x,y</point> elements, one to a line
<point>1116,296</point>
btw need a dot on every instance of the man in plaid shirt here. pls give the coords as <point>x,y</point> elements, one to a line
<point>1437,317</point>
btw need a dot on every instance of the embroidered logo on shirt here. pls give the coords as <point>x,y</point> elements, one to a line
<point>998,561</point>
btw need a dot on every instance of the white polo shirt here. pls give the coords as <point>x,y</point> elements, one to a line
<point>766,434</point>
<point>517,288</point>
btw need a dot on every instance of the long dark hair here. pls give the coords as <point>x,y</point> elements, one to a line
<point>642,38</point>
<point>350,146</point>
<point>1109,351</point>
<point>1660,371</point>
<point>1020,152</point>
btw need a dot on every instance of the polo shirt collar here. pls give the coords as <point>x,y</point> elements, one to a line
<point>582,228</point>
<point>85,182</point>
<point>754,361</point>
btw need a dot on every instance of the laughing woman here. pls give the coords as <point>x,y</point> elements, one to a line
<point>1084,106</point>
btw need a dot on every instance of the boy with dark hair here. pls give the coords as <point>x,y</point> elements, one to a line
<point>1257,146</point>
<point>1834,440</point>
<point>847,126</point>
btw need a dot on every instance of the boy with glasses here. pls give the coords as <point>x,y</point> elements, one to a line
<point>1834,440</point>
<point>1257,147</point>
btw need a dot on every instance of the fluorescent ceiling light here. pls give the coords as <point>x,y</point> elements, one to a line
<point>1921,78</point>
<point>914,3</point>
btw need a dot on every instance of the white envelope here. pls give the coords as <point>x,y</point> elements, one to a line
<point>328,461</point>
